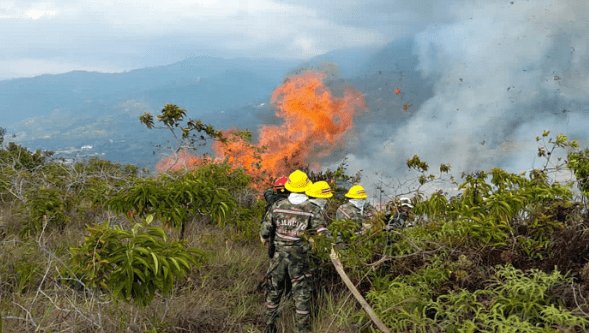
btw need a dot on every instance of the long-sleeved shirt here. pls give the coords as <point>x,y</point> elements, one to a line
<point>290,222</point>
<point>349,211</point>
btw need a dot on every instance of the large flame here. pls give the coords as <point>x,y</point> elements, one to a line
<point>314,124</point>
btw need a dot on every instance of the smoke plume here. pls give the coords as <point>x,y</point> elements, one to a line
<point>502,72</point>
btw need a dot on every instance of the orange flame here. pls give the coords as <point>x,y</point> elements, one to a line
<point>314,124</point>
<point>182,160</point>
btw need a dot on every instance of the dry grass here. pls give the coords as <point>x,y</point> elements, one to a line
<point>221,296</point>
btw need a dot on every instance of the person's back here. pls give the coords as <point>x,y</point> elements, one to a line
<point>397,215</point>
<point>285,225</point>
<point>349,211</point>
<point>357,209</point>
<point>293,221</point>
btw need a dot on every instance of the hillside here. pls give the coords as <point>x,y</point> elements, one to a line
<point>100,247</point>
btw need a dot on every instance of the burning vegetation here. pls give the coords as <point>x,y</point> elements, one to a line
<point>313,124</point>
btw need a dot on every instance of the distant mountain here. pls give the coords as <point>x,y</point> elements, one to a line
<point>200,84</point>
<point>100,110</point>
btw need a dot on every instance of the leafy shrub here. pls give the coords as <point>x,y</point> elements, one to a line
<point>579,163</point>
<point>513,301</point>
<point>45,208</point>
<point>132,264</point>
<point>173,199</point>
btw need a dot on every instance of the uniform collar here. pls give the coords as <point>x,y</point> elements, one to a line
<point>297,198</point>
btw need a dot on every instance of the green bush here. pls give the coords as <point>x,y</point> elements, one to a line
<point>579,162</point>
<point>174,199</point>
<point>45,208</point>
<point>513,301</point>
<point>132,264</point>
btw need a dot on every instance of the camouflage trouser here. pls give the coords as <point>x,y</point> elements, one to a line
<point>290,262</point>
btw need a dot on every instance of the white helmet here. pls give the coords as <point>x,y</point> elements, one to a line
<point>405,202</point>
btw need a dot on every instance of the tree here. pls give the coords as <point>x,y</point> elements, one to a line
<point>189,134</point>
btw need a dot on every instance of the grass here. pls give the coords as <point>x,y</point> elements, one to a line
<point>221,296</point>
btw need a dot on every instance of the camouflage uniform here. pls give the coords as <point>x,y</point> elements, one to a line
<point>396,221</point>
<point>271,196</point>
<point>290,223</point>
<point>323,210</point>
<point>349,211</point>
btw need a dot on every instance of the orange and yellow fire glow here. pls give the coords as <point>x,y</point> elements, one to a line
<point>182,160</point>
<point>314,123</point>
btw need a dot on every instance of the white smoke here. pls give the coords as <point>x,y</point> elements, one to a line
<point>502,73</point>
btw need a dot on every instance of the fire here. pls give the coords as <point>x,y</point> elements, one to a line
<point>314,124</point>
<point>182,160</point>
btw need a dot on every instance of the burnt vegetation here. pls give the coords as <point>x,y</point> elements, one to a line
<point>102,247</point>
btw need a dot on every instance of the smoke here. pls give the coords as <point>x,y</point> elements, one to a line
<point>502,72</point>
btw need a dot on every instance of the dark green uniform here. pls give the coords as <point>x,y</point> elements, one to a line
<point>271,196</point>
<point>289,223</point>
<point>349,211</point>
<point>398,220</point>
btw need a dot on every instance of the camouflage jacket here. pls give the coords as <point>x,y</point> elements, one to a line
<point>271,196</point>
<point>397,220</point>
<point>289,223</point>
<point>349,211</point>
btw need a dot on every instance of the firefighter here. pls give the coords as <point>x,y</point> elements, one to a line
<point>398,219</point>
<point>318,194</point>
<point>357,209</point>
<point>272,195</point>
<point>277,192</point>
<point>288,222</point>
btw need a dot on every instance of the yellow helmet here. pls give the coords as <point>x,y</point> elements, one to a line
<point>298,182</point>
<point>320,189</point>
<point>356,192</point>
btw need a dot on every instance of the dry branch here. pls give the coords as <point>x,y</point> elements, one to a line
<point>340,270</point>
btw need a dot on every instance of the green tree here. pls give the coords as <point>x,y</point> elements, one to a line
<point>173,199</point>
<point>187,133</point>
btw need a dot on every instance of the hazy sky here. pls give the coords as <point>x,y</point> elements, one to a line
<point>50,36</point>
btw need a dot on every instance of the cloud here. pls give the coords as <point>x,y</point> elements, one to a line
<point>131,34</point>
<point>26,11</point>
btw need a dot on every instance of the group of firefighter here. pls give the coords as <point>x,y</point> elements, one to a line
<point>296,208</point>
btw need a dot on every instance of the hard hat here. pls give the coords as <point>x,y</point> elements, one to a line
<point>405,202</point>
<point>356,192</point>
<point>320,189</point>
<point>279,183</point>
<point>298,182</point>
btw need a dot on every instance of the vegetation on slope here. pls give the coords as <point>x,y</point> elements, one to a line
<point>102,247</point>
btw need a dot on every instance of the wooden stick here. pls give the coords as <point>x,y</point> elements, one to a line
<point>340,270</point>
